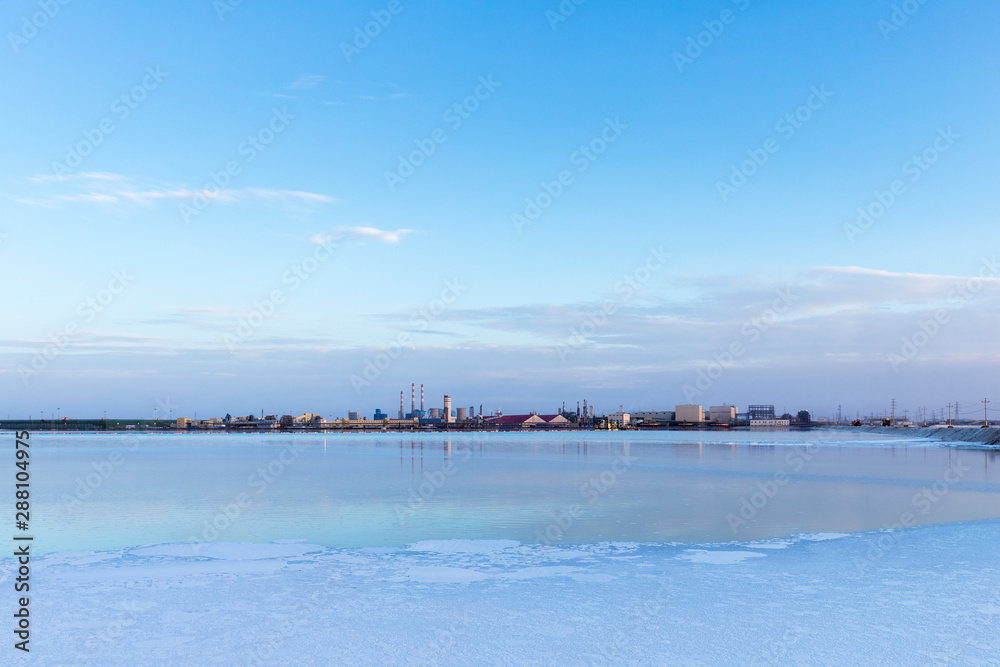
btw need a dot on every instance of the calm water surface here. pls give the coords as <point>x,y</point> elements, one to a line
<point>98,492</point>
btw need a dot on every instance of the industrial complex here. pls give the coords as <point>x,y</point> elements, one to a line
<point>448,417</point>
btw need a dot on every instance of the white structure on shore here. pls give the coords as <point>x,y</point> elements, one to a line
<point>769,422</point>
<point>724,414</point>
<point>690,413</point>
<point>653,416</point>
<point>619,419</point>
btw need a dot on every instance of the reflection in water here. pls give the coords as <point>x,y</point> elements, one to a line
<point>348,491</point>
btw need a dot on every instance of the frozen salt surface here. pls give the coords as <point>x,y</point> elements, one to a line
<point>928,595</point>
<point>719,557</point>
<point>439,574</point>
<point>823,537</point>
<point>463,546</point>
<point>282,549</point>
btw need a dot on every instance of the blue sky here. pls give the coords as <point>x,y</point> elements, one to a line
<point>491,311</point>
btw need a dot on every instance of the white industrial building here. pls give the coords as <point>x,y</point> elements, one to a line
<point>620,419</point>
<point>653,416</point>
<point>690,413</point>
<point>769,423</point>
<point>722,414</point>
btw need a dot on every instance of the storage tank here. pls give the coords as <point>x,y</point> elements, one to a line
<point>462,414</point>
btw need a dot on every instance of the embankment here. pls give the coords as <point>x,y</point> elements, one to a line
<point>972,436</point>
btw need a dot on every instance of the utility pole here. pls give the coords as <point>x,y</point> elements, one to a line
<point>986,415</point>
<point>925,416</point>
<point>949,416</point>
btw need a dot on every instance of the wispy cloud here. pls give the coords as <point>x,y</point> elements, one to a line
<point>361,234</point>
<point>82,176</point>
<point>307,81</point>
<point>116,190</point>
<point>828,312</point>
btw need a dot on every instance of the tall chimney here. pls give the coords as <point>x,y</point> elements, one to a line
<point>413,399</point>
<point>401,414</point>
<point>421,396</point>
<point>447,409</point>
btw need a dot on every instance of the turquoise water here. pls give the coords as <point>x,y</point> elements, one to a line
<point>100,492</point>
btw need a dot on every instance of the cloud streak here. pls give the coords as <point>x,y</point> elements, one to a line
<point>117,190</point>
<point>307,81</point>
<point>361,235</point>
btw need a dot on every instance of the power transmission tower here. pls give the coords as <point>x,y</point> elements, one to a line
<point>893,417</point>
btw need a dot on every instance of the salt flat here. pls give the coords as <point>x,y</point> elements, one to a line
<point>927,595</point>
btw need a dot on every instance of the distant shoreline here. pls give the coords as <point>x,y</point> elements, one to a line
<point>168,426</point>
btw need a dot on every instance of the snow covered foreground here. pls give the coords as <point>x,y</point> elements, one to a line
<point>922,596</point>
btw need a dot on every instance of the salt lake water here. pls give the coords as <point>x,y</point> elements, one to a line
<point>573,548</point>
<point>340,490</point>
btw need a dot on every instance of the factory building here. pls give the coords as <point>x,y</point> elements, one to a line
<point>690,413</point>
<point>528,421</point>
<point>769,423</point>
<point>620,419</point>
<point>722,414</point>
<point>653,416</point>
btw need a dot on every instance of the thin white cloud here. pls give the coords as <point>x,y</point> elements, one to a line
<point>82,176</point>
<point>307,81</point>
<point>361,234</point>
<point>264,193</point>
<point>39,203</point>
<point>861,271</point>
<point>117,190</point>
